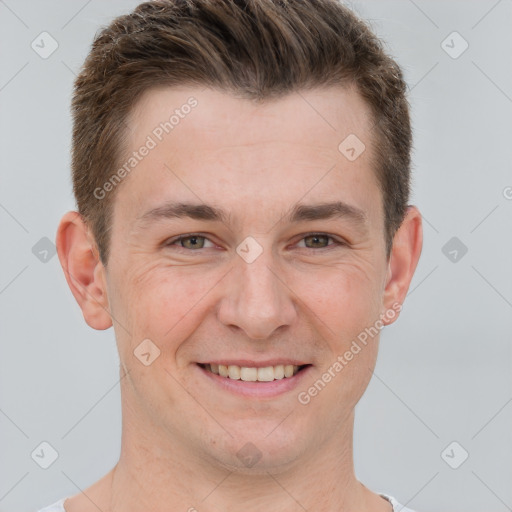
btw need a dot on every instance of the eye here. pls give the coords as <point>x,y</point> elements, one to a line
<point>310,241</point>
<point>190,242</point>
<point>319,241</point>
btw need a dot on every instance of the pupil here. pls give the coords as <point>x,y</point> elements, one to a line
<point>316,238</point>
<point>192,240</point>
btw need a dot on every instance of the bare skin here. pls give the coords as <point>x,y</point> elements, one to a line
<point>305,296</point>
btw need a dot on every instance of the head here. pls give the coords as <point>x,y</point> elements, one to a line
<point>278,134</point>
<point>254,50</point>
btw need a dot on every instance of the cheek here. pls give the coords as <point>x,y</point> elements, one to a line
<point>165,304</point>
<point>348,305</point>
<point>344,297</point>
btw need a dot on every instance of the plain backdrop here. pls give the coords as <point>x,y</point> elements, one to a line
<point>441,388</point>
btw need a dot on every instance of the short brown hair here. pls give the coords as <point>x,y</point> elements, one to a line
<point>256,49</point>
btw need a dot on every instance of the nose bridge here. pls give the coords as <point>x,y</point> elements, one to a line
<point>260,303</point>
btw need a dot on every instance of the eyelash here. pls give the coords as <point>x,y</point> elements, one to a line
<point>337,242</point>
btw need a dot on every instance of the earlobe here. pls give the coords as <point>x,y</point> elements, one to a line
<point>84,272</point>
<point>405,254</point>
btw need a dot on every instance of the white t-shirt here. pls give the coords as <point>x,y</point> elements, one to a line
<point>58,506</point>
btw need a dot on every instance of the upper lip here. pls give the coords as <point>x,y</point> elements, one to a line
<point>255,364</point>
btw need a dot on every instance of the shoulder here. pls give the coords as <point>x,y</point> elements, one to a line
<point>58,506</point>
<point>397,507</point>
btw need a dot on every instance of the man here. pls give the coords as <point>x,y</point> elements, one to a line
<point>241,171</point>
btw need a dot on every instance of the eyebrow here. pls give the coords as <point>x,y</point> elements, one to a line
<point>299,213</point>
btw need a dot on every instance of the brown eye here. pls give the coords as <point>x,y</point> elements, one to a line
<point>317,241</point>
<point>190,242</point>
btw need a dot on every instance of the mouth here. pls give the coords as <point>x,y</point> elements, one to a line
<point>255,381</point>
<point>253,373</point>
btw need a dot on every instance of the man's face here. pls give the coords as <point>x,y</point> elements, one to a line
<point>263,286</point>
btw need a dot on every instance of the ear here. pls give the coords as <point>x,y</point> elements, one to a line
<point>405,253</point>
<point>85,274</point>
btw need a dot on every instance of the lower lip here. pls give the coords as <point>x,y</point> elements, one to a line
<point>257,389</point>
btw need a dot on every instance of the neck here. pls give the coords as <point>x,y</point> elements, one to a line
<point>154,473</point>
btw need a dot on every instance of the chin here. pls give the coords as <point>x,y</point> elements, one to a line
<point>262,447</point>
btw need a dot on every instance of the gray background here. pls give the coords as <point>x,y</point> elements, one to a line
<point>443,372</point>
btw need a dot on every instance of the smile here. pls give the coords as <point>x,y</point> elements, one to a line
<point>262,382</point>
<point>254,374</point>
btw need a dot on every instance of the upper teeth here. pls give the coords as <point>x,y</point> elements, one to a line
<point>266,374</point>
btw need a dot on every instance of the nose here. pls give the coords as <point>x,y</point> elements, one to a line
<point>257,298</point>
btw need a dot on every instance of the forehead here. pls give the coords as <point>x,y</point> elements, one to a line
<point>337,111</point>
<point>207,143</point>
